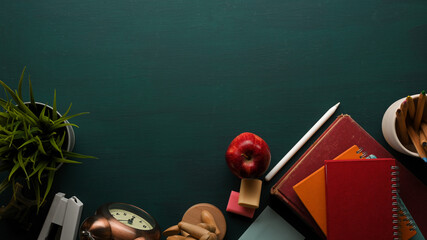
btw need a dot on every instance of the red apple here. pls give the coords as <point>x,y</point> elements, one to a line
<point>248,156</point>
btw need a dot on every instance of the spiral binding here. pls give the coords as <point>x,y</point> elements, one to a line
<point>365,155</point>
<point>362,153</point>
<point>394,190</point>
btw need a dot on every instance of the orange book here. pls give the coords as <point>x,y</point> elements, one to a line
<point>311,190</point>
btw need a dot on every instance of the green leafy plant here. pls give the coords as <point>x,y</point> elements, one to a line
<point>32,142</point>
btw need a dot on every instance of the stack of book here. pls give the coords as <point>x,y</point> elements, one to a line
<point>343,192</point>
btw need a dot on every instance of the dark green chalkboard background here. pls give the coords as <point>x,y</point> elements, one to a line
<point>169,84</point>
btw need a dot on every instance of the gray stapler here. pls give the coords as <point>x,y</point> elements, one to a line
<point>62,221</point>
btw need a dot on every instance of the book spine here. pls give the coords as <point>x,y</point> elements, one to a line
<point>395,208</point>
<point>305,217</point>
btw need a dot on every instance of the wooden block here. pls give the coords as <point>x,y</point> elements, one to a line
<point>194,230</point>
<point>209,236</point>
<point>250,192</point>
<point>175,237</point>
<point>190,238</point>
<point>174,230</point>
<point>197,231</point>
<point>194,213</point>
<point>209,227</point>
<point>208,218</point>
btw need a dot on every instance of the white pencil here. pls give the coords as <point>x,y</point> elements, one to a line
<point>301,142</point>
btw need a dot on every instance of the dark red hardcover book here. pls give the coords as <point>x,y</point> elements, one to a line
<point>343,133</point>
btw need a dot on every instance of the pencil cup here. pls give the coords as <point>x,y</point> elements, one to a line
<point>389,128</point>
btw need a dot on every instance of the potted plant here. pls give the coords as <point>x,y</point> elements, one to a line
<point>35,140</point>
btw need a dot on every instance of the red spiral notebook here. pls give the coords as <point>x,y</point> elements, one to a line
<point>343,133</point>
<point>361,199</point>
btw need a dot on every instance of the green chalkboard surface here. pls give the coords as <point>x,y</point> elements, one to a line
<point>169,84</point>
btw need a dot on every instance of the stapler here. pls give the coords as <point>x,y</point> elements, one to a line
<point>62,221</point>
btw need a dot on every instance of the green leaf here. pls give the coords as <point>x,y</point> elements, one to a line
<point>61,141</point>
<point>68,110</point>
<point>20,83</point>
<point>37,192</point>
<point>41,169</point>
<point>34,157</point>
<point>53,143</point>
<point>33,130</point>
<point>5,93</point>
<point>14,133</point>
<point>5,115</point>
<point>40,145</point>
<point>5,130</point>
<point>18,100</point>
<point>54,111</point>
<point>50,177</point>
<point>33,102</point>
<point>4,149</point>
<point>4,104</point>
<point>22,164</point>
<point>15,112</point>
<point>27,142</point>
<point>13,170</point>
<point>26,130</point>
<point>63,119</point>
<point>76,155</point>
<point>64,160</point>
<point>42,113</point>
<point>61,125</point>
<point>37,169</point>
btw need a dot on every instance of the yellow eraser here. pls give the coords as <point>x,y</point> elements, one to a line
<point>250,192</point>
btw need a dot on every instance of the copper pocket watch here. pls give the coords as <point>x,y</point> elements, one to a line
<point>120,221</point>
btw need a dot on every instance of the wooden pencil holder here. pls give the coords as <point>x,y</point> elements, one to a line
<point>250,192</point>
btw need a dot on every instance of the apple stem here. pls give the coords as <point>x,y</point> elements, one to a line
<point>246,156</point>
